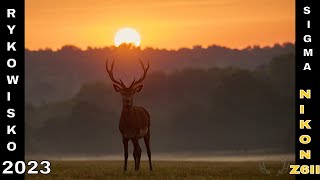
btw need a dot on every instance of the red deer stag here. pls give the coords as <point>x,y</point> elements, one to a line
<point>135,120</point>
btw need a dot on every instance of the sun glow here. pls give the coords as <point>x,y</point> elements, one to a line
<point>127,35</point>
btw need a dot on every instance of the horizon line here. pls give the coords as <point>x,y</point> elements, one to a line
<point>158,48</point>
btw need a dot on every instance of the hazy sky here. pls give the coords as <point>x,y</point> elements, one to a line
<point>162,24</point>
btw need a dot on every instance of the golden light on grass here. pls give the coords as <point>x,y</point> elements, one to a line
<point>128,36</point>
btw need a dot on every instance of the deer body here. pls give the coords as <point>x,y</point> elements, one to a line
<point>135,120</point>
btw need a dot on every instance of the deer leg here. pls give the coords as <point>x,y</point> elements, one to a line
<point>146,139</point>
<point>125,145</point>
<point>136,153</point>
<point>139,155</point>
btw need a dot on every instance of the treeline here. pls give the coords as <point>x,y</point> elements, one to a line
<point>198,110</point>
<point>56,75</point>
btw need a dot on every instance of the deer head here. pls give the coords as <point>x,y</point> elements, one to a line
<point>127,92</point>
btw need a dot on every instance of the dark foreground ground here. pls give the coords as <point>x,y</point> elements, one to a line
<point>101,170</point>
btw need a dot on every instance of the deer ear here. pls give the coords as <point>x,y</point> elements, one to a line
<point>137,89</point>
<point>116,88</point>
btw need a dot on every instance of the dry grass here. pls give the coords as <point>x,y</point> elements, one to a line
<point>102,170</point>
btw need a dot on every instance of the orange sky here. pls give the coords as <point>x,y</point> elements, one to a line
<point>161,23</point>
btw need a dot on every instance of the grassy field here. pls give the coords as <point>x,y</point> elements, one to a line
<point>102,170</point>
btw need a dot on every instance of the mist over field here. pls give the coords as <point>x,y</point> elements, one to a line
<point>177,157</point>
<point>201,101</point>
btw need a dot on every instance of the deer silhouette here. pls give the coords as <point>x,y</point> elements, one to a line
<point>135,120</point>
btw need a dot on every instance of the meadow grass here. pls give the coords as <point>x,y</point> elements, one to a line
<point>163,170</point>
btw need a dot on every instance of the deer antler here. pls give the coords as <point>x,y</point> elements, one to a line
<point>110,72</point>
<point>284,169</point>
<point>263,169</point>
<point>145,70</point>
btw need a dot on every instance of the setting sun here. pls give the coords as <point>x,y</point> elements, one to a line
<point>127,35</point>
<point>162,24</point>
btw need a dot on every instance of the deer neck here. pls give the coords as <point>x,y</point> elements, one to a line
<point>126,110</point>
<point>126,114</point>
